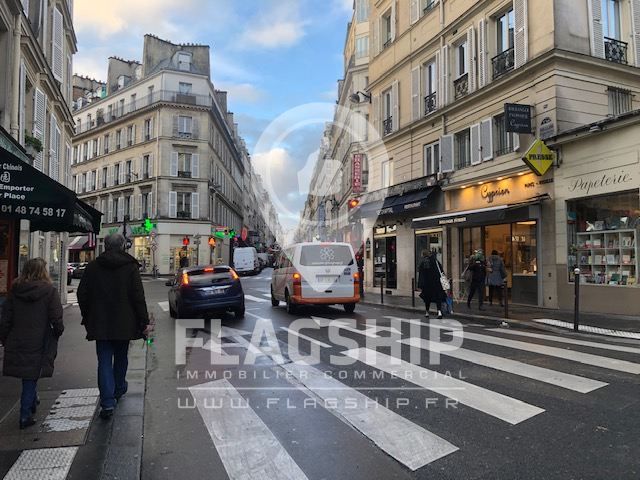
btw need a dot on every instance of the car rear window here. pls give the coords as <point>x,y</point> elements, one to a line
<point>325,255</point>
<point>202,277</point>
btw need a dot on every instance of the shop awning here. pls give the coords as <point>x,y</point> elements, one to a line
<point>27,193</point>
<point>481,216</point>
<point>78,242</point>
<point>395,204</point>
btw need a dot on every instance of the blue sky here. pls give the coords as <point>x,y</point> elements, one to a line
<point>270,55</point>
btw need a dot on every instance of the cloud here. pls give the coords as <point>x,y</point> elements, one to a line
<point>279,27</point>
<point>242,92</point>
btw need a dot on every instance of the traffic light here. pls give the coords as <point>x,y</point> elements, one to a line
<point>353,203</point>
<point>185,240</point>
<point>212,242</point>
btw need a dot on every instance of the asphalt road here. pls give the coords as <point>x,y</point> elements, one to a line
<point>507,404</point>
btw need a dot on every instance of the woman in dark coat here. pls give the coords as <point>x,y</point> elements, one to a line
<point>29,329</point>
<point>496,275</point>
<point>429,282</point>
<point>478,268</point>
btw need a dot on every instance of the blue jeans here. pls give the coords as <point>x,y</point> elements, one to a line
<point>28,398</point>
<point>112,370</point>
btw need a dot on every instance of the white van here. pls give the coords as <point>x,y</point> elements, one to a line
<point>316,274</point>
<point>245,260</point>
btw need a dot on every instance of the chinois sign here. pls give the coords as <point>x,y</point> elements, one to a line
<point>539,157</point>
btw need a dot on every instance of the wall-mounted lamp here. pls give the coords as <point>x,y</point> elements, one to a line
<point>355,97</point>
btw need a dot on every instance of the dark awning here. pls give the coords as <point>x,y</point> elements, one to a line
<point>27,193</point>
<point>395,204</point>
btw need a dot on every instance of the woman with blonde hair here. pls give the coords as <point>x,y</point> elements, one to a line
<point>29,330</point>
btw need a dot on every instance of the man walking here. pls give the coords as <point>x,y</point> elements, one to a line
<point>114,311</point>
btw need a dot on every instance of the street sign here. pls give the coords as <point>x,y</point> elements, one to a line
<point>154,247</point>
<point>539,157</point>
<point>517,118</point>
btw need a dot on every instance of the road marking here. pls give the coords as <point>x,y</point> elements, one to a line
<point>505,408</point>
<point>322,322</point>
<point>247,448</point>
<point>573,341</point>
<point>164,306</point>
<point>408,443</point>
<point>49,463</point>
<point>254,299</point>
<point>560,379</point>
<point>590,329</point>
<point>309,339</point>
<point>268,295</point>
<point>580,357</point>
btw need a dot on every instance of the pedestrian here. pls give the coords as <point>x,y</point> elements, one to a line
<point>184,261</point>
<point>114,312</point>
<point>478,268</point>
<point>29,330</point>
<point>429,284</point>
<point>496,276</point>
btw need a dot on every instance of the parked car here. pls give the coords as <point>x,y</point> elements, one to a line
<point>79,270</point>
<point>245,260</point>
<point>205,290</point>
<point>316,274</point>
<point>264,259</point>
<point>69,273</point>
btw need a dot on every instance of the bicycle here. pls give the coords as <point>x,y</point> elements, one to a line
<point>460,290</point>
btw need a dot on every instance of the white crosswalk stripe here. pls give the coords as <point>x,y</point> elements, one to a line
<point>254,299</point>
<point>164,306</point>
<point>575,356</point>
<point>590,329</point>
<point>72,298</point>
<point>245,444</point>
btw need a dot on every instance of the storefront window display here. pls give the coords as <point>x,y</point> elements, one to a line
<point>142,252</point>
<point>428,240</point>
<point>384,256</point>
<point>602,239</point>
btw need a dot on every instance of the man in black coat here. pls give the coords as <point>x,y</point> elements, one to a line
<point>429,285</point>
<point>114,311</point>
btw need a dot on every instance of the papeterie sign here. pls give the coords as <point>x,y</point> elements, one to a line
<point>517,118</point>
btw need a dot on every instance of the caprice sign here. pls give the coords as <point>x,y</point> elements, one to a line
<point>264,343</point>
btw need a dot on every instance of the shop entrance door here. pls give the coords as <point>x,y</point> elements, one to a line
<point>385,262</point>
<point>498,238</point>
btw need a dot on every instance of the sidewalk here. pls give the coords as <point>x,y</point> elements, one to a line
<point>520,314</point>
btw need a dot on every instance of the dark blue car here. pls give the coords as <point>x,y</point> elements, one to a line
<point>204,291</point>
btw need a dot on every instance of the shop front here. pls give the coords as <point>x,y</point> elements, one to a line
<point>503,216</point>
<point>598,215</point>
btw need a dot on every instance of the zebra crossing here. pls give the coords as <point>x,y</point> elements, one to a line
<point>412,443</point>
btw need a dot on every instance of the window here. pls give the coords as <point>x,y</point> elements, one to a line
<point>430,86</point>
<point>95,148</point>
<point>362,11</point>
<point>83,183</point>
<point>89,122</point>
<point>505,30</point>
<point>92,183</point>
<point>610,19</point>
<point>122,107</point>
<point>184,205</point>
<point>503,139</point>
<point>387,109</point>
<point>184,165</point>
<point>149,94</point>
<point>362,46</point>
<point>428,5</point>
<point>130,135</point>
<point>386,174</point>
<point>620,101</point>
<point>184,61</point>
<point>118,139</point>
<point>144,205</point>
<point>145,166</point>
<point>365,172</point>
<point>114,211</point>
<point>185,88</point>
<point>105,144</point>
<point>432,158</point>
<point>127,206</point>
<point>462,149</point>
<point>147,129</point>
<point>133,101</point>
<point>116,174</point>
<point>104,177</point>
<point>75,154</point>
<point>129,174</point>
<point>85,151</point>
<point>387,29</point>
<point>109,113</point>
<point>121,81</point>
<point>184,125</point>
<point>461,59</point>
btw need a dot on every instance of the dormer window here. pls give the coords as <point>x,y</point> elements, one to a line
<point>184,61</point>
<point>121,81</point>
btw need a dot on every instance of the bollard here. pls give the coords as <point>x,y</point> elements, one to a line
<point>361,273</point>
<point>576,308</point>
<point>413,292</point>
<point>505,298</point>
<point>382,290</point>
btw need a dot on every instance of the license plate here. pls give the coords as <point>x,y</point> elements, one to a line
<point>214,291</point>
<point>327,278</point>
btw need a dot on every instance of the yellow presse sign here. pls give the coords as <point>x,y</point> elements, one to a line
<point>539,157</point>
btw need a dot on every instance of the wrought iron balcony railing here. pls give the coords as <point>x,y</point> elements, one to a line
<point>387,125</point>
<point>461,86</point>
<point>430,103</point>
<point>615,50</point>
<point>184,173</point>
<point>503,62</point>
<point>183,214</point>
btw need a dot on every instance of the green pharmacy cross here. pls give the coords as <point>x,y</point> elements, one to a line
<point>225,233</point>
<point>148,226</point>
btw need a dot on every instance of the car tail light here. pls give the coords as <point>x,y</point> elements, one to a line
<point>356,283</point>
<point>208,269</point>
<point>185,278</point>
<point>234,275</point>
<point>297,284</point>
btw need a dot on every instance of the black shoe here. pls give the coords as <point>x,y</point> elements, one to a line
<point>34,408</point>
<point>106,413</point>
<point>480,307</point>
<point>27,422</point>
<point>118,396</point>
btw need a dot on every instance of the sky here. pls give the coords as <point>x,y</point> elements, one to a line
<point>278,59</point>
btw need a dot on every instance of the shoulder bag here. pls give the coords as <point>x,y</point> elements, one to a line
<point>444,281</point>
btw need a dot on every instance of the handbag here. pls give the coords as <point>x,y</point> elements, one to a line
<point>444,281</point>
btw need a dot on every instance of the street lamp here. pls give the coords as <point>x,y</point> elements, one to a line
<point>355,97</point>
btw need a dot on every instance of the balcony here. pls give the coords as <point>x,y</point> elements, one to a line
<point>184,174</point>
<point>615,50</point>
<point>387,126</point>
<point>461,86</point>
<point>183,214</point>
<point>503,62</point>
<point>430,103</point>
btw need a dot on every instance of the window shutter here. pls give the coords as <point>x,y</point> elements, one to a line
<point>175,125</point>
<point>446,153</point>
<point>415,93</point>
<point>471,58</point>
<point>195,128</point>
<point>123,174</point>
<point>415,11</point>
<point>138,213</point>
<point>635,23</point>
<point>151,128</point>
<point>109,176</point>
<point>377,114</point>
<point>133,135</point>
<point>110,210</point>
<point>474,141</point>
<point>516,142</point>
<point>375,38</point>
<point>444,70</point>
<point>521,35</point>
<point>120,209</point>
<point>395,123</point>
<point>486,139</point>
<point>195,206</point>
<point>131,211</point>
<point>23,102</point>
<point>393,20</point>
<point>437,79</point>
<point>98,179</point>
<point>57,45</point>
<point>39,124</point>
<point>595,26</point>
<point>173,204</point>
<point>195,165</point>
<point>99,147</point>
<point>53,161</point>
<point>482,54</point>
<point>150,165</point>
<point>174,164</point>
<point>151,207</point>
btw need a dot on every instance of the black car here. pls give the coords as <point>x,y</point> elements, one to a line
<point>79,270</point>
<point>205,290</point>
